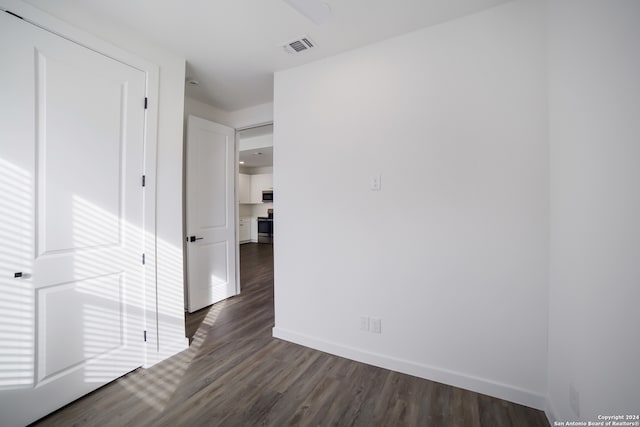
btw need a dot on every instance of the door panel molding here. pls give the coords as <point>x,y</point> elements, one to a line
<point>92,288</point>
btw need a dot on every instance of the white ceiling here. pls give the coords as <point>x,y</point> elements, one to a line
<point>232,47</point>
<point>256,147</point>
<point>256,131</point>
<point>256,158</point>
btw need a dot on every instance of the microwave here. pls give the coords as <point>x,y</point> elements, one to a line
<point>267,196</point>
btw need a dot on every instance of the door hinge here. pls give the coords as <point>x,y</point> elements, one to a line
<point>146,103</point>
<point>145,336</point>
<point>144,180</point>
<point>143,260</point>
<point>17,16</point>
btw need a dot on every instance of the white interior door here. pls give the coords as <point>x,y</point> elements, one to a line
<point>71,159</point>
<point>211,228</point>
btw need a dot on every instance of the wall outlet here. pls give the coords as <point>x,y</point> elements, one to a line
<point>364,323</point>
<point>376,182</point>
<point>376,326</point>
<point>574,400</point>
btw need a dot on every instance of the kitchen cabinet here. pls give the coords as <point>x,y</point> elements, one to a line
<point>260,183</point>
<point>250,187</point>
<point>244,227</point>
<point>254,229</point>
<point>244,188</point>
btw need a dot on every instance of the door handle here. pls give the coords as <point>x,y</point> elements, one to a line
<point>17,275</point>
<point>194,238</point>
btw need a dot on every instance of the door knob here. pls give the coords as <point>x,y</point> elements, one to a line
<point>194,238</point>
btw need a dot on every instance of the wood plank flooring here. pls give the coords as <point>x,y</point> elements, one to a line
<point>235,374</point>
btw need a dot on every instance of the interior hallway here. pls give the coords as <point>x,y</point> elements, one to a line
<point>236,374</point>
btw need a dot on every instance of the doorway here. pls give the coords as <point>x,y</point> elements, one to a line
<point>254,211</point>
<point>255,185</point>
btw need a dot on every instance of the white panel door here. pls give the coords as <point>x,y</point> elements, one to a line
<point>71,275</point>
<point>211,232</point>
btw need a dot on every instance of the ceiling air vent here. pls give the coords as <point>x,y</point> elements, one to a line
<point>300,45</point>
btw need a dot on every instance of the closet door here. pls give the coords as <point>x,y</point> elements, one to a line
<point>71,273</point>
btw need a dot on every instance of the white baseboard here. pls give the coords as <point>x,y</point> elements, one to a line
<point>457,379</point>
<point>154,357</point>
<point>550,411</point>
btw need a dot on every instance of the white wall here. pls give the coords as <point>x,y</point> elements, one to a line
<point>255,142</point>
<point>245,210</point>
<point>205,111</point>
<point>170,322</point>
<point>452,253</point>
<point>254,210</point>
<point>261,209</point>
<point>256,115</point>
<point>594,321</point>
<point>256,171</point>
<point>247,117</point>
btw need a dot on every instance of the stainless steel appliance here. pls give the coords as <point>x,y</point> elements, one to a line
<point>267,196</point>
<point>265,227</point>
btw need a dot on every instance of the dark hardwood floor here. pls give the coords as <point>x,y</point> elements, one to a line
<point>192,322</point>
<point>235,374</point>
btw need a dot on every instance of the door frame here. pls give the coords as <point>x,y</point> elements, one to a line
<point>60,28</point>
<point>236,198</point>
<point>238,130</point>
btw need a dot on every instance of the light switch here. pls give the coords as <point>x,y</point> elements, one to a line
<point>376,182</point>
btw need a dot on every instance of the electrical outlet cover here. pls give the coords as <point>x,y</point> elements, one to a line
<point>376,326</point>
<point>376,182</point>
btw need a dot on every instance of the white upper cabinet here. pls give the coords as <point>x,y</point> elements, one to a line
<point>250,187</point>
<point>260,183</point>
